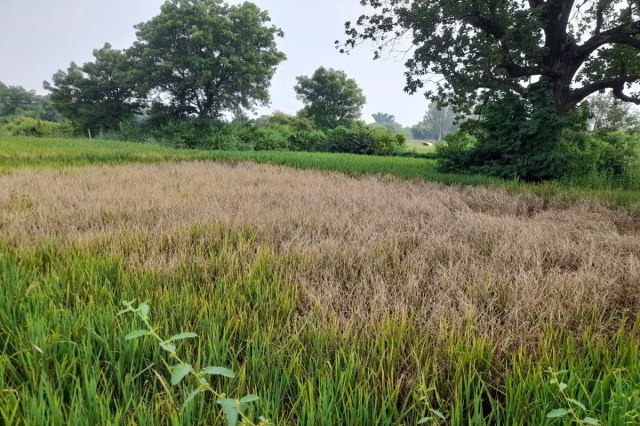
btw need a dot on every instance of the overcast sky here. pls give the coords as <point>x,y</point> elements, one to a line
<point>41,36</point>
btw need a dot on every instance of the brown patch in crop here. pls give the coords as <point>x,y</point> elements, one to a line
<point>366,247</point>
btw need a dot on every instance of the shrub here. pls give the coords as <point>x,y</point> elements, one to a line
<point>274,137</point>
<point>27,126</point>
<point>295,122</point>
<point>364,140</point>
<point>455,154</point>
<point>603,158</point>
<point>516,138</point>
<point>308,140</point>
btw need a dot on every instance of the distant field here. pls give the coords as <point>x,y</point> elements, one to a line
<point>335,299</point>
<point>420,147</point>
<point>34,152</point>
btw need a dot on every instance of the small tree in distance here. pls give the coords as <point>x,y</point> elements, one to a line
<point>331,98</point>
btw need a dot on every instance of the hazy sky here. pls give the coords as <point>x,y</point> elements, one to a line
<point>41,36</point>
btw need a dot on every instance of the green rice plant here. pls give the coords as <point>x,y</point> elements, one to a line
<point>233,409</point>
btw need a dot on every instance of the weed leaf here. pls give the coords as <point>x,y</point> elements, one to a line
<point>179,372</point>
<point>439,414</point>
<point>231,410</point>
<point>591,421</point>
<point>558,412</point>
<point>168,347</point>
<point>219,371</point>
<point>249,398</point>
<point>190,397</point>
<point>136,333</point>
<point>182,336</point>
<point>577,403</point>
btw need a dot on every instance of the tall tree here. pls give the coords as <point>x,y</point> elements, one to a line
<point>98,95</point>
<point>205,57</point>
<point>331,98</point>
<point>441,119</point>
<point>572,48</point>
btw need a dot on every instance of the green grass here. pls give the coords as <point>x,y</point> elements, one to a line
<point>419,147</point>
<point>64,359</point>
<point>33,152</point>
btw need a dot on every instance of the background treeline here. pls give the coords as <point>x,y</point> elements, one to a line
<point>191,78</point>
<point>199,69</point>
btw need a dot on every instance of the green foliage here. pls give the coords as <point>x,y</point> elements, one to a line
<point>331,98</point>
<point>364,140</point>
<point>309,140</point>
<point>233,409</point>
<point>206,57</point>
<point>98,95</point>
<point>515,139</point>
<point>299,123</point>
<point>573,409</point>
<point>454,156</point>
<point>16,101</point>
<point>274,137</point>
<point>603,158</point>
<point>27,126</point>
<point>479,47</point>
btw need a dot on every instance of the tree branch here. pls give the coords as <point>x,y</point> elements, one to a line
<point>618,92</point>
<point>615,83</point>
<point>627,34</point>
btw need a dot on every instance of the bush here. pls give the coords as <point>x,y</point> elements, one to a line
<point>274,137</point>
<point>603,158</point>
<point>27,126</point>
<point>454,154</point>
<point>308,140</point>
<point>364,140</point>
<point>515,138</point>
<point>296,122</point>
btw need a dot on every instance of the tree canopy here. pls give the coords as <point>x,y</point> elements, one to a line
<point>18,101</point>
<point>98,95</point>
<point>331,98</point>
<point>205,57</point>
<point>572,48</point>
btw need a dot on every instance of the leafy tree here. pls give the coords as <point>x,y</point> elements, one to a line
<point>332,99</point>
<point>572,48</point>
<point>14,99</point>
<point>205,57</point>
<point>19,102</point>
<point>608,114</point>
<point>98,95</point>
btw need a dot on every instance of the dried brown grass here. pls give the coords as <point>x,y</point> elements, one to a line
<point>366,247</point>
